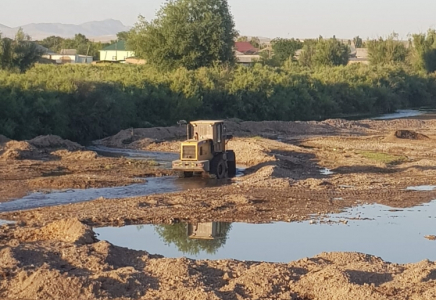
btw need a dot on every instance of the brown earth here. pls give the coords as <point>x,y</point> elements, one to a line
<point>49,162</point>
<point>64,260</point>
<point>371,163</point>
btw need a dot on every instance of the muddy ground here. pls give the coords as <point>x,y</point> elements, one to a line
<point>49,162</point>
<point>370,162</point>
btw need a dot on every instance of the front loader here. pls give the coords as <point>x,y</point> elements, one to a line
<point>205,152</point>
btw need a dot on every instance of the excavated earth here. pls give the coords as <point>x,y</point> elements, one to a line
<point>52,252</point>
<point>49,162</point>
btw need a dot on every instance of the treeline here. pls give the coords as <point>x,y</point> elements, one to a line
<point>84,103</point>
<point>80,43</point>
<point>18,54</point>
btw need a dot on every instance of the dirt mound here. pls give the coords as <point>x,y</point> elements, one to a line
<point>54,142</point>
<point>141,138</point>
<point>76,155</point>
<point>66,230</point>
<point>46,283</point>
<point>16,150</point>
<point>249,152</point>
<point>410,135</point>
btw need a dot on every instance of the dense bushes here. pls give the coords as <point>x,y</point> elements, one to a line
<point>89,102</point>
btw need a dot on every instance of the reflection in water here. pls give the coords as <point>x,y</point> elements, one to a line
<point>195,238</point>
<point>396,236</point>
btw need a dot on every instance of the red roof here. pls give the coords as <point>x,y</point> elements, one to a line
<point>245,47</point>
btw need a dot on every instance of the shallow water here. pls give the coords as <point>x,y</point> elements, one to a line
<point>4,222</point>
<point>153,185</point>
<point>421,188</point>
<point>402,113</point>
<point>395,235</point>
<point>157,185</point>
<point>326,171</point>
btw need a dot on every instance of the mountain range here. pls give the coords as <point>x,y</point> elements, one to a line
<point>105,30</point>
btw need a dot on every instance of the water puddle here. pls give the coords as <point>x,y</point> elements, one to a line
<point>158,185</point>
<point>402,113</point>
<point>326,171</point>
<point>395,235</point>
<point>5,222</point>
<point>422,188</point>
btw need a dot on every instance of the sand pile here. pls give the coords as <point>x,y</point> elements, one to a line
<point>54,142</point>
<point>16,150</point>
<point>66,230</point>
<point>76,155</point>
<point>143,137</point>
<point>249,152</point>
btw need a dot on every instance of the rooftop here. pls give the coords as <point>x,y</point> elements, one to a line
<point>120,46</point>
<point>207,121</point>
<point>245,47</point>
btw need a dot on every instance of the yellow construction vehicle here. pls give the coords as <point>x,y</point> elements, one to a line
<point>205,152</point>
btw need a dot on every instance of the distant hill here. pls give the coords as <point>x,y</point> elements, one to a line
<point>97,30</point>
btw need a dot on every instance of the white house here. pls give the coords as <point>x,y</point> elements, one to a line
<point>68,56</point>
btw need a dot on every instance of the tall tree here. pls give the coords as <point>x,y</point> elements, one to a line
<point>324,52</point>
<point>284,49</point>
<point>389,51</point>
<point>186,33</point>
<point>53,43</point>
<point>331,52</point>
<point>19,54</point>
<point>123,35</point>
<point>358,42</point>
<point>424,50</point>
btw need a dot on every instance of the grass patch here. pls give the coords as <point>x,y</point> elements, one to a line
<point>388,159</point>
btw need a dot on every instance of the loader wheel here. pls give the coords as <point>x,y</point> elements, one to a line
<point>218,167</point>
<point>232,168</point>
<point>231,163</point>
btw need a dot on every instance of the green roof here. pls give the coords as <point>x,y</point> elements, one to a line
<point>120,46</point>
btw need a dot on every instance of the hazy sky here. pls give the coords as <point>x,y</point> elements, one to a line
<point>268,18</point>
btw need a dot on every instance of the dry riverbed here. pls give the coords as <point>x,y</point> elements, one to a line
<point>296,171</point>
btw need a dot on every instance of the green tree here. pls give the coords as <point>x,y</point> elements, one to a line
<point>307,54</point>
<point>284,49</point>
<point>358,42</point>
<point>123,35</point>
<point>389,51</point>
<point>255,42</point>
<point>176,234</point>
<point>331,53</point>
<point>242,38</point>
<point>186,33</point>
<point>53,43</point>
<point>19,54</point>
<point>424,51</point>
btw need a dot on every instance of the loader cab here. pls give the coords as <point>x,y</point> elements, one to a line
<point>208,130</point>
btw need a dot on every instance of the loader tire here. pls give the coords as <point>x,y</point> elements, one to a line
<point>218,167</point>
<point>231,163</point>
